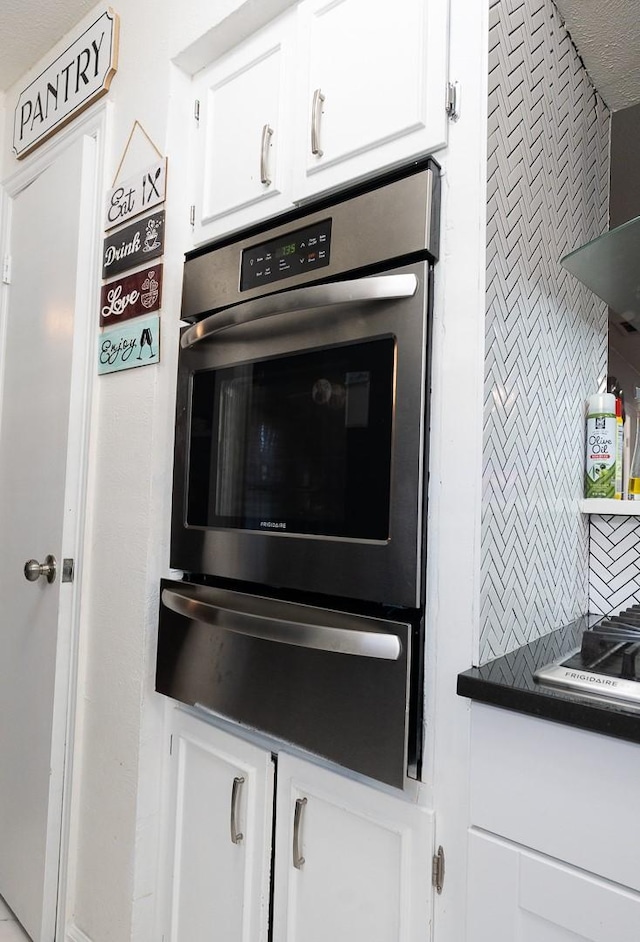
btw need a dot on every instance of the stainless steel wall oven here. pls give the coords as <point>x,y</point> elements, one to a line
<point>300,469</point>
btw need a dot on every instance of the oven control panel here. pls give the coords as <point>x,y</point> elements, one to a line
<point>291,254</point>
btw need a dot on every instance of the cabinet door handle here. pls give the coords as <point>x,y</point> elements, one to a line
<point>298,859</point>
<point>316,111</point>
<point>238,782</point>
<point>267,133</point>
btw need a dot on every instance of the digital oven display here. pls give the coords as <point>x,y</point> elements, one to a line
<point>291,254</point>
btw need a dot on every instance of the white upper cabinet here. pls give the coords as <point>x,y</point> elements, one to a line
<point>243,139</point>
<point>373,84</point>
<point>331,92</point>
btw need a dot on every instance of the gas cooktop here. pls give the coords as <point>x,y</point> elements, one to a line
<point>607,664</point>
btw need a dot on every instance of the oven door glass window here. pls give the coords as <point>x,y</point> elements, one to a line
<point>299,444</point>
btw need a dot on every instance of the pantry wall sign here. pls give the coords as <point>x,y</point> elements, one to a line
<point>80,75</point>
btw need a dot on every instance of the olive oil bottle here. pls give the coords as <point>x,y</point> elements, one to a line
<point>602,437</point>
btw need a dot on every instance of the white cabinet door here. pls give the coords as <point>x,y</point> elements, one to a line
<point>366,875</point>
<point>223,807</point>
<point>515,759</point>
<point>518,896</point>
<point>243,142</point>
<point>373,88</point>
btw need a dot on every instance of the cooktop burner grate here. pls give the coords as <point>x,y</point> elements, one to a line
<point>607,664</point>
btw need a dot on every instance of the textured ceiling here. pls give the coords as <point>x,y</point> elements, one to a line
<point>606,33</point>
<point>29,28</point>
<point>607,36</point>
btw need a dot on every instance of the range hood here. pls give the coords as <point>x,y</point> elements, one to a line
<point>610,267</point>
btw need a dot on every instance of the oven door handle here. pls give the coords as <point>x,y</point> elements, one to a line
<point>374,644</point>
<point>376,288</point>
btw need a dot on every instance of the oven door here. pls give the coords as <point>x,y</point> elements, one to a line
<point>300,440</point>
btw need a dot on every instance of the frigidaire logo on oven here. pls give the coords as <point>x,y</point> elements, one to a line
<point>273,525</point>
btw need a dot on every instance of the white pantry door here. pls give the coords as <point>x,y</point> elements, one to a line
<point>47,239</point>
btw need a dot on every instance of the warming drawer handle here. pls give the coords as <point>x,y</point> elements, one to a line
<point>374,644</point>
<point>312,297</point>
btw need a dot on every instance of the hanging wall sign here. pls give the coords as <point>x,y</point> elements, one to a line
<point>131,296</point>
<point>126,346</point>
<point>136,195</point>
<point>80,75</point>
<point>134,245</point>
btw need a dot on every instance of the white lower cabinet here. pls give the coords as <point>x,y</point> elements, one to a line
<point>356,868</point>
<point>516,895</point>
<point>221,807</point>
<point>351,863</point>
<point>554,847</point>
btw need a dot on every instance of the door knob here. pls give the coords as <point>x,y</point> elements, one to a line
<point>33,569</point>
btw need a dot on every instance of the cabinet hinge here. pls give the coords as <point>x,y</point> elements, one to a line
<point>452,101</point>
<point>196,111</point>
<point>437,870</point>
<point>6,270</point>
<point>192,214</point>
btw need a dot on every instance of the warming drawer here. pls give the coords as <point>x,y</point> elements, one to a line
<point>334,683</point>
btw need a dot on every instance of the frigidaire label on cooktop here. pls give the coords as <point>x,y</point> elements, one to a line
<point>291,254</point>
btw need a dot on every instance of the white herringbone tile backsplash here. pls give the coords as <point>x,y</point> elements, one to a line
<point>614,564</point>
<point>546,335</point>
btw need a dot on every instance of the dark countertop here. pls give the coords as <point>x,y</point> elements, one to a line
<point>508,682</point>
